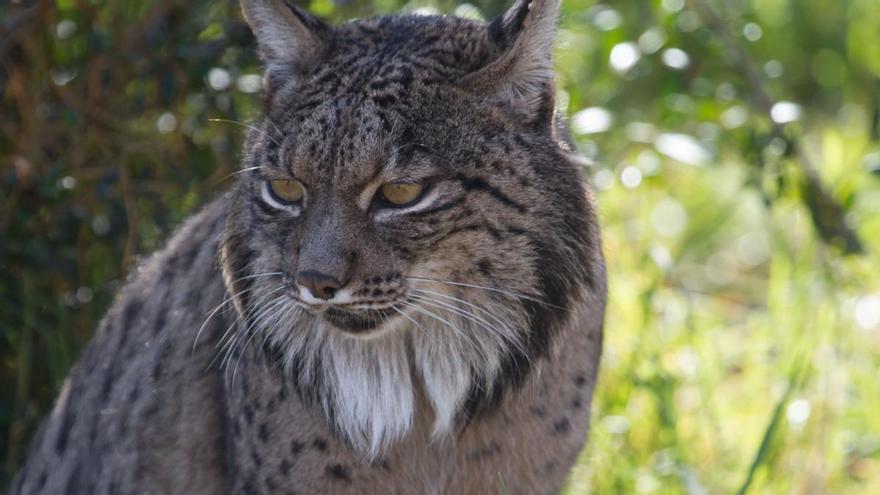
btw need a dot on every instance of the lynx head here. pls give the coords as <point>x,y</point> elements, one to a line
<point>408,220</point>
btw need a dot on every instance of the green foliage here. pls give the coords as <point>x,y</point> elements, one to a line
<point>743,341</point>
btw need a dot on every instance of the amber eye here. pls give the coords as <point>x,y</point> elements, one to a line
<point>400,194</point>
<point>287,191</point>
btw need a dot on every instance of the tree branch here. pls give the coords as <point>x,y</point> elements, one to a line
<point>827,214</point>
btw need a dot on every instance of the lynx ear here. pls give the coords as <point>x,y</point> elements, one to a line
<point>291,40</point>
<point>522,72</point>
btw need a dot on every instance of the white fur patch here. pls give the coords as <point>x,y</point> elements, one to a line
<point>425,202</point>
<point>366,386</point>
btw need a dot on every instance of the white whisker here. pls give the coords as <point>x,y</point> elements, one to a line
<point>253,330</point>
<point>247,126</point>
<point>227,301</point>
<point>211,315</point>
<point>258,275</point>
<point>227,341</point>
<point>469,339</point>
<point>471,317</point>
<point>491,289</point>
<point>257,302</point>
<point>509,334</point>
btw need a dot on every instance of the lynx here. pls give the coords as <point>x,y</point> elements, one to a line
<point>404,292</point>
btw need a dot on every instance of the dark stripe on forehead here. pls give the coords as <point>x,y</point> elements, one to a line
<point>478,184</point>
<point>435,238</point>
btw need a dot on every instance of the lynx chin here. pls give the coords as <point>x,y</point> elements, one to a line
<point>404,292</point>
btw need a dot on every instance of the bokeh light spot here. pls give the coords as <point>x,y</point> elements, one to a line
<point>166,123</point>
<point>867,312</point>
<point>219,79</point>
<point>734,117</point>
<point>675,58</point>
<point>798,412</point>
<point>752,31</point>
<point>631,177</point>
<point>624,56</point>
<point>785,112</point>
<point>249,83</point>
<point>682,147</point>
<point>592,120</point>
<point>607,19</point>
<point>652,40</point>
<point>669,217</point>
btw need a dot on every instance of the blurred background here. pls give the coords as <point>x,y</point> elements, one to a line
<point>735,148</point>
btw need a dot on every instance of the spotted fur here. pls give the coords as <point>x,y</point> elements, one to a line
<point>457,350</point>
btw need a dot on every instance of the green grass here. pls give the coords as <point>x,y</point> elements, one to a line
<point>739,366</point>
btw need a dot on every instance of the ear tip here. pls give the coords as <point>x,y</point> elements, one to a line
<point>539,10</point>
<point>536,5</point>
<point>544,8</point>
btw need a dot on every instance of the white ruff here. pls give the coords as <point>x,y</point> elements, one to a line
<point>365,386</point>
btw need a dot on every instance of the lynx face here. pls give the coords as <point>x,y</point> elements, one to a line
<point>405,206</point>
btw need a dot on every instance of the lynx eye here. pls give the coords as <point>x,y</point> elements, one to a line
<point>401,193</point>
<point>287,191</point>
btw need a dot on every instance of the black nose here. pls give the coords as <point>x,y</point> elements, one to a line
<point>320,285</point>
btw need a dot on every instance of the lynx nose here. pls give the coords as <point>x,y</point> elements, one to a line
<point>320,285</point>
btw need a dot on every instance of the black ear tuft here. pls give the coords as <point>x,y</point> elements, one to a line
<point>503,29</point>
